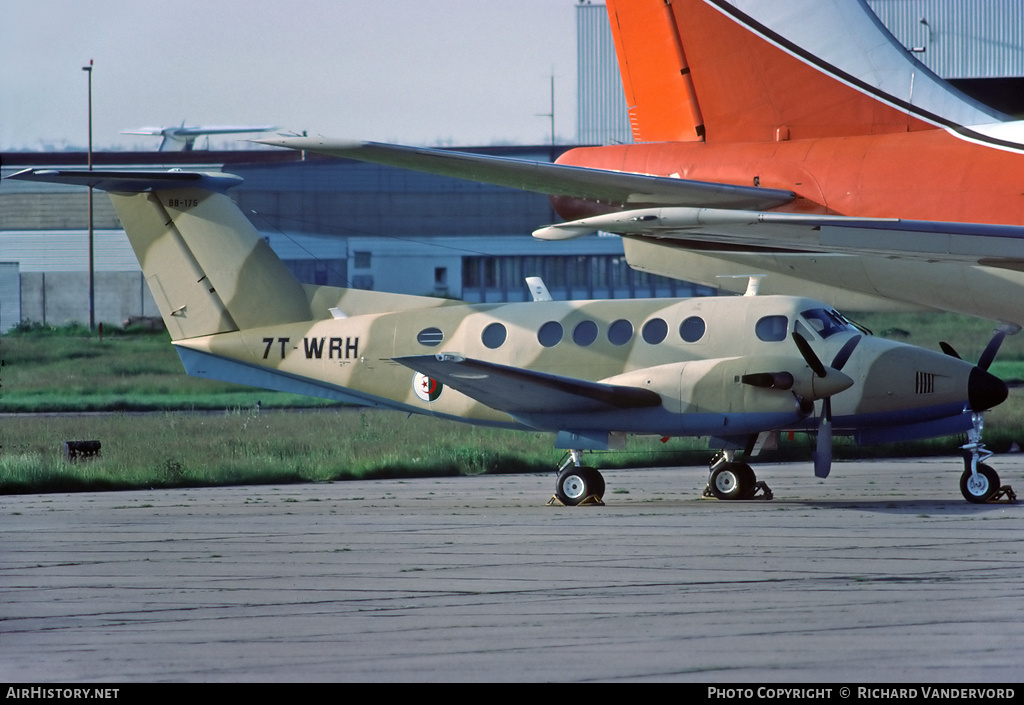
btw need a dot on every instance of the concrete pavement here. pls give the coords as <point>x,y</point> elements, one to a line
<point>882,573</point>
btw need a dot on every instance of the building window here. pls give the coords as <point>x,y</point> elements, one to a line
<point>361,260</point>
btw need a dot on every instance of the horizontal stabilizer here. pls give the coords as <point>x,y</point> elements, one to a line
<point>517,390</point>
<point>124,181</point>
<point>607,186</point>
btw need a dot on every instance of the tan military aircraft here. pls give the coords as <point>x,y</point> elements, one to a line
<point>591,372</point>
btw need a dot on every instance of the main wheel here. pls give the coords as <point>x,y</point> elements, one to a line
<point>732,481</point>
<point>981,488</point>
<point>575,484</point>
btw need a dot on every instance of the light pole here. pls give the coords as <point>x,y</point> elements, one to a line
<point>92,290</point>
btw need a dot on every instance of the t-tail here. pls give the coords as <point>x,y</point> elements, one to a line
<point>208,268</point>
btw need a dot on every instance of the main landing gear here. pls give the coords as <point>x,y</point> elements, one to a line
<point>732,479</point>
<point>577,484</point>
<point>979,483</point>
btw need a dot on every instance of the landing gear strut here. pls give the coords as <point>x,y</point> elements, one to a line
<point>732,479</point>
<point>979,483</point>
<point>577,484</point>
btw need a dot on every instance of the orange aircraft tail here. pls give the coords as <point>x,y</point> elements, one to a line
<point>706,70</point>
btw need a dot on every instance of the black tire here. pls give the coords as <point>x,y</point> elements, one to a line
<point>575,484</point>
<point>732,481</point>
<point>981,489</point>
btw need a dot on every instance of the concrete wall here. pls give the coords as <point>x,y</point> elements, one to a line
<point>58,298</point>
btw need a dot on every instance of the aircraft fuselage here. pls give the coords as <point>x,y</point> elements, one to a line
<point>692,353</point>
<point>924,175</point>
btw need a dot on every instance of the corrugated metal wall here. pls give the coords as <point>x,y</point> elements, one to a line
<point>602,117</point>
<point>960,38</point>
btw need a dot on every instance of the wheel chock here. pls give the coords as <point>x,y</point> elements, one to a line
<point>590,500</point>
<point>759,486</point>
<point>1004,495</point>
<point>763,487</point>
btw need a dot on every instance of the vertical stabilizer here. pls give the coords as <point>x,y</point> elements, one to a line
<point>759,71</point>
<point>655,76</point>
<point>208,268</point>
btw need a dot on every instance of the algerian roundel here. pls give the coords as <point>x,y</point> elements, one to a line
<point>426,388</point>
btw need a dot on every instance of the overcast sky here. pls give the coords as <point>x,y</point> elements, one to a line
<point>426,72</point>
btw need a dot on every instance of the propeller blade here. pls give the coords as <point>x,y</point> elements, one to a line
<point>844,353</point>
<point>810,358</point>
<point>985,361</point>
<point>823,450</point>
<point>948,349</point>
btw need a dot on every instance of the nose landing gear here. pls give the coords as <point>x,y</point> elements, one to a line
<point>979,483</point>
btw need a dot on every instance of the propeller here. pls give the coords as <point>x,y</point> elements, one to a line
<point>823,449</point>
<point>830,381</point>
<point>991,350</point>
<point>985,390</point>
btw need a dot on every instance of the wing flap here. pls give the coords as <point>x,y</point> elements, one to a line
<point>623,188</point>
<point>515,390</point>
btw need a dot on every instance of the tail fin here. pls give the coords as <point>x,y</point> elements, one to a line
<point>766,71</point>
<point>655,76</point>
<point>207,266</point>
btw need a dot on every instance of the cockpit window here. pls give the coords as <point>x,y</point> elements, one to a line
<point>772,329</point>
<point>826,322</point>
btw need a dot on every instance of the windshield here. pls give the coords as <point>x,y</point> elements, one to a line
<point>826,322</point>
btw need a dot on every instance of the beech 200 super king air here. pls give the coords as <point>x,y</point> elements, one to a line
<point>591,372</point>
<point>796,138</point>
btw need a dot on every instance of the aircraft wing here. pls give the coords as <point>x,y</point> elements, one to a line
<point>967,243</point>
<point>637,190</point>
<point>515,390</point>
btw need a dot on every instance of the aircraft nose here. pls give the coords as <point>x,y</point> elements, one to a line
<point>985,390</point>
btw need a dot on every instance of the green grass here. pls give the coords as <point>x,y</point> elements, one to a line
<point>70,370</point>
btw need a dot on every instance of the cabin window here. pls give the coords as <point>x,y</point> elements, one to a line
<point>494,335</point>
<point>654,331</point>
<point>430,337</point>
<point>620,332</point>
<point>692,329</point>
<point>585,333</point>
<point>550,334</point>
<point>772,329</point>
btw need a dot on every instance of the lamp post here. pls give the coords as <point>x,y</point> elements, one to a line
<point>92,290</point>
